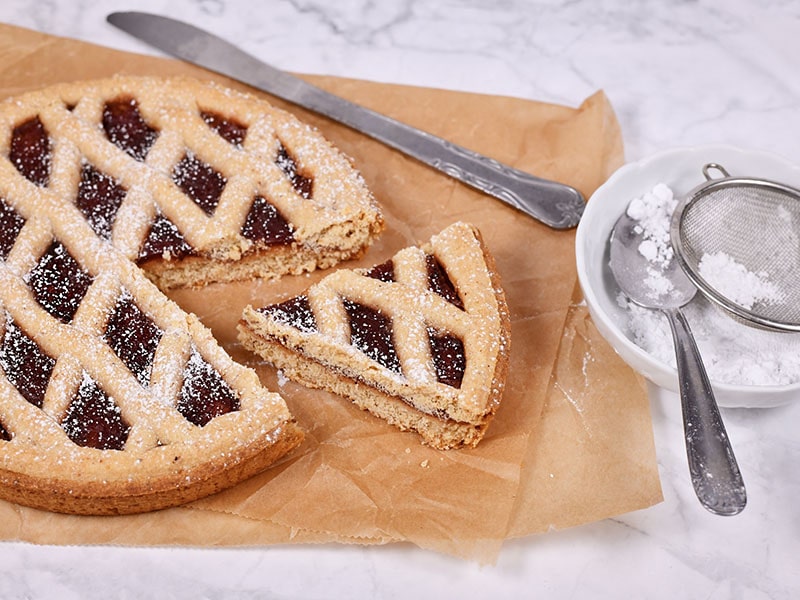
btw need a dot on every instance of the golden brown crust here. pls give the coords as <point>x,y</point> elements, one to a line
<point>166,456</point>
<point>262,263</point>
<point>411,396</point>
<point>172,488</point>
<point>437,432</point>
<point>337,220</point>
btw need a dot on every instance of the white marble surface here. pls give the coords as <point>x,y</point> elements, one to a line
<point>678,73</point>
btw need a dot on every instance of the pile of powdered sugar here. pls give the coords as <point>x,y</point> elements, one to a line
<point>732,352</point>
<point>735,282</point>
<point>651,212</point>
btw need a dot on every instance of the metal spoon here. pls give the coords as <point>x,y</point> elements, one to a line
<point>712,465</point>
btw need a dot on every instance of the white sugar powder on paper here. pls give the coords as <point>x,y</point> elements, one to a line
<point>732,352</point>
<point>282,379</point>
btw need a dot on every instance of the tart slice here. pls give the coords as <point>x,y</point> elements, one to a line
<point>421,340</point>
<point>193,182</point>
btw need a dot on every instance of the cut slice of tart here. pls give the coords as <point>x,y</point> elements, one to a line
<point>421,340</point>
<point>194,182</point>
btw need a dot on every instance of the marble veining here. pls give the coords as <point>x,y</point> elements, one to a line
<point>677,73</point>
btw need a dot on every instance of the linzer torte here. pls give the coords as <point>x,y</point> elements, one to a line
<point>421,340</point>
<point>193,182</point>
<point>112,399</point>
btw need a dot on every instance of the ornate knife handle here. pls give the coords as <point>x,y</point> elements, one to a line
<point>555,204</point>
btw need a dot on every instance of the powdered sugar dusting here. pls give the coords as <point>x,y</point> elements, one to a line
<point>85,417</point>
<point>657,284</point>
<point>735,282</point>
<point>652,213</point>
<point>733,353</point>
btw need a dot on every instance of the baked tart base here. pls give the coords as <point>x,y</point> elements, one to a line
<point>113,399</point>
<point>421,341</point>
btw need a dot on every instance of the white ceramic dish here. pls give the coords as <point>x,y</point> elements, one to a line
<point>680,169</point>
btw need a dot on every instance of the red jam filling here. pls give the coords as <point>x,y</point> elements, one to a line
<point>25,365</point>
<point>99,199</point>
<point>133,337</point>
<point>30,151</point>
<point>303,185</point>
<point>265,224</point>
<point>58,282</point>
<point>231,131</point>
<point>10,226</point>
<point>204,394</point>
<point>371,332</point>
<point>382,272</point>
<point>163,238</point>
<point>439,282</point>
<point>200,181</point>
<point>93,420</point>
<point>126,129</point>
<point>449,359</point>
<point>295,312</point>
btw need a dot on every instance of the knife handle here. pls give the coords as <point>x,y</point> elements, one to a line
<point>555,204</point>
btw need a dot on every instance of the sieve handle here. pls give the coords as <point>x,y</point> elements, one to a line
<point>707,170</point>
<point>715,474</point>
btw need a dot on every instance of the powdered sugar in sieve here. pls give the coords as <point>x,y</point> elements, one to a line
<point>738,240</point>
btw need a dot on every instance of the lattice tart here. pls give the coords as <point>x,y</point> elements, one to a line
<point>194,182</point>
<point>112,399</point>
<point>421,340</point>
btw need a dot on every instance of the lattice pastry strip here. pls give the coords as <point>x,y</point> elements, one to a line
<point>155,423</point>
<point>204,184</point>
<point>112,399</point>
<point>421,340</point>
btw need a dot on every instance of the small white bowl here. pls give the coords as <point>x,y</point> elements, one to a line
<point>681,170</point>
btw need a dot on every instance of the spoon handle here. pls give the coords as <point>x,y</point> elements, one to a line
<point>715,474</point>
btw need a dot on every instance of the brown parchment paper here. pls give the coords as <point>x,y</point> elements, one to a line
<point>572,441</point>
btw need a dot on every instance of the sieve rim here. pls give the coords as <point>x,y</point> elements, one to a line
<point>692,270</point>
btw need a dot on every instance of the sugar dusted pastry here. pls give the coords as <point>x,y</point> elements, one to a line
<point>112,399</point>
<point>421,340</point>
<point>194,182</point>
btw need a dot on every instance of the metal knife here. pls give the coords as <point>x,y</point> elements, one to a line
<point>555,204</point>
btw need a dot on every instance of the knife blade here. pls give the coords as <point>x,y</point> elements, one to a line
<point>555,204</point>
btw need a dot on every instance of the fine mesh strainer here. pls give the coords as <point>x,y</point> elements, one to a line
<point>752,225</point>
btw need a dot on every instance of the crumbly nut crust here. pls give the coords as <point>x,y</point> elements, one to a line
<point>175,443</point>
<point>336,219</point>
<point>409,393</point>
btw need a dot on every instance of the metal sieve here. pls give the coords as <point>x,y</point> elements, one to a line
<point>756,224</point>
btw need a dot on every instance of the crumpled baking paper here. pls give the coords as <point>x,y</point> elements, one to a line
<point>572,441</point>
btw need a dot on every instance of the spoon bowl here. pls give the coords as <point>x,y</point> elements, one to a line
<point>714,471</point>
<point>643,283</point>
